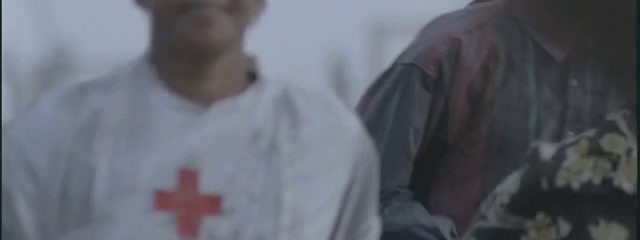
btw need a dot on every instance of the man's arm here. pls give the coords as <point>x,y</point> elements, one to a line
<point>359,214</point>
<point>397,110</point>
<point>19,193</point>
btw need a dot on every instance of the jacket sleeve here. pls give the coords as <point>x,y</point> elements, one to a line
<point>397,110</point>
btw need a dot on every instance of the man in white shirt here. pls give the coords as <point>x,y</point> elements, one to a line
<point>181,144</point>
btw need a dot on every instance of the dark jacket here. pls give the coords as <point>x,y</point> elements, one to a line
<point>457,111</point>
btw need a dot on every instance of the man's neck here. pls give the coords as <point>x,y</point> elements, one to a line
<point>562,25</point>
<point>203,81</point>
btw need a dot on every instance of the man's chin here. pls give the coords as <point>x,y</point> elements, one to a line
<point>199,51</point>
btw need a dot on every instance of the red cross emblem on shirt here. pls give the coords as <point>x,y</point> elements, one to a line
<point>189,206</point>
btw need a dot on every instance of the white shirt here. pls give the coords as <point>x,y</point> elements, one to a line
<point>104,160</point>
<point>7,103</point>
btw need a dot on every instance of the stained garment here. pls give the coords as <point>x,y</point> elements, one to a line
<point>583,187</point>
<point>124,158</point>
<point>459,108</point>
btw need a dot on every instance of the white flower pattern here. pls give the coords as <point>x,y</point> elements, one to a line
<point>581,167</point>
<point>544,228</point>
<point>626,176</point>
<point>605,230</point>
<point>599,162</point>
<point>614,143</point>
<point>602,169</point>
<point>576,169</point>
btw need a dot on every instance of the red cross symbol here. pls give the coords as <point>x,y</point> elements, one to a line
<point>188,204</point>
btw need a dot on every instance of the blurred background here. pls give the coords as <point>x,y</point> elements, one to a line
<point>337,45</point>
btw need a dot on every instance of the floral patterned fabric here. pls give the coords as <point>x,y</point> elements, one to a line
<point>584,187</point>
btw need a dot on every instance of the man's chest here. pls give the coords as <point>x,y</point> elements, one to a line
<point>491,126</point>
<point>220,185</point>
<point>543,99</point>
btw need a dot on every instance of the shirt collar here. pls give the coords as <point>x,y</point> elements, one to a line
<point>555,34</point>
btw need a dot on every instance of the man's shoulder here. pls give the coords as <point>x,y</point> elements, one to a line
<point>62,106</point>
<point>472,15</point>
<point>449,30</point>
<point>316,112</point>
<point>322,124</point>
<point>75,95</point>
<point>321,103</point>
<point>50,123</point>
<point>462,21</point>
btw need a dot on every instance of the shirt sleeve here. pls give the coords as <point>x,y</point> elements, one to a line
<point>20,193</point>
<point>399,111</point>
<point>359,216</point>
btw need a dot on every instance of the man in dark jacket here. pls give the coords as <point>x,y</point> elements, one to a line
<point>457,111</point>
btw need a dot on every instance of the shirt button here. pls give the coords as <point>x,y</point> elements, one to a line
<point>573,82</point>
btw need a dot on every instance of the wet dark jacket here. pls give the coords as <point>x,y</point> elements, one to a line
<point>457,111</point>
